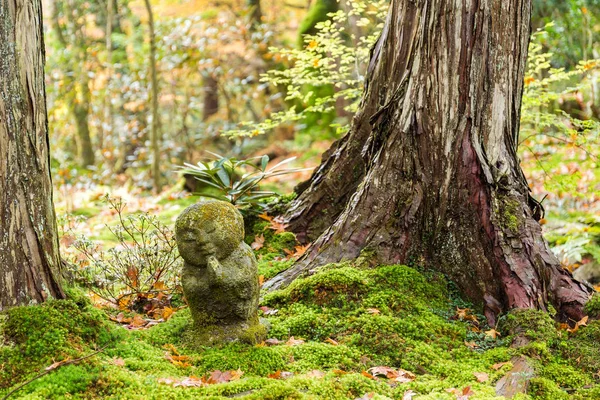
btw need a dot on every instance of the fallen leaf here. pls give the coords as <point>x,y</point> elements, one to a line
<point>259,241</point>
<point>492,333</point>
<point>315,373</point>
<point>275,375</point>
<point>118,362</point>
<point>582,322</point>
<point>265,217</point>
<point>298,251</point>
<point>481,376</point>
<point>268,311</point>
<point>138,321</point>
<point>273,342</point>
<point>397,375</point>
<point>497,366</point>
<point>294,342</point>
<point>466,393</point>
<point>190,381</point>
<point>278,226</point>
<point>167,312</point>
<point>408,395</point>
<point>261,280</point>
<point>339,372</point>
<point>368,375</point>
<point>373,311</point>
<point>331,341</point>
<point>367,396</point>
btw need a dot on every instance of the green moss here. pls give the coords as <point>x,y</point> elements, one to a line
<point>37,336</point>
<point>532,324</point>
<point>546,389</point>
<point>592,308</point>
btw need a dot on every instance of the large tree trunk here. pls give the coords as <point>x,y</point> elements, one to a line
<point>440,182</point>
<point>29,257</point>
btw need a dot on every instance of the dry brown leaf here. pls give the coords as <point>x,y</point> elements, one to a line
<point>582,322</point>
<point>408,395</point>
<point>471,345</point>
<point>278,226</point>
<point>373,311</point>
<point>138,321</point>
<point>494,334</point>
<point>273,342</point>
<point>331,341</point>
<point>119,362</point>
<point>481,376</point>
<point>294,342</point>
<point>497,366</point>
<point>261,280</point>
<point>259,242</point>
<point>315,373</point>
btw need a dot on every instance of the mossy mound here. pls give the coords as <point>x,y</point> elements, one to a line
<point>35,337</point>
<point>344,320</point>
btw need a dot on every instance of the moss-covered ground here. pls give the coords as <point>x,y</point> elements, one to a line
<point>344,320</point>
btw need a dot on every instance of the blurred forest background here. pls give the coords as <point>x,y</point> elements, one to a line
<point>136,89</point>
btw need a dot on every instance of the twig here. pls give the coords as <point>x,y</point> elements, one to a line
<point>47,371</point>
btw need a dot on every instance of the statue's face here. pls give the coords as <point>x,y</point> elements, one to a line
<point>208,229</point>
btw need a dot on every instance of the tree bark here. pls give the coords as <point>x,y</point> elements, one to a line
<point>29,256</point>
<point>155,125</point>
<point>211,97</point>
<point>440,183</point>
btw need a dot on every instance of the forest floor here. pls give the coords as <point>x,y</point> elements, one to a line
<point>351,331</point>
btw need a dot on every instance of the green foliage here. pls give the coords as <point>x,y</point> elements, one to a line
<point>559,152</point>
<point>237,181</point>
<point>328,59</point>
<point>145,261</point>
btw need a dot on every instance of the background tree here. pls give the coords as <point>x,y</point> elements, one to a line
<point>29,253</point>
<point>155,123</point>
<point>428,173</point>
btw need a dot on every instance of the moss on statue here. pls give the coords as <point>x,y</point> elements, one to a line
<point>220,279</point>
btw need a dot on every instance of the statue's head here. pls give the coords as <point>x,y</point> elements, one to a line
<point>208,228</point>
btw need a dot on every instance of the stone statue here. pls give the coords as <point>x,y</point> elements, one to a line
<point>220,276</point>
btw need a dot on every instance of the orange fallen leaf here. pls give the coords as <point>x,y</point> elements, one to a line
<point>331,341</point>
<point>261,280</point>
<point>582,322</point>
<point>497,366</point>
<point>265,217</point>
<point>368,375</point>
<point>167,312</point>
<point>275,375</point>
